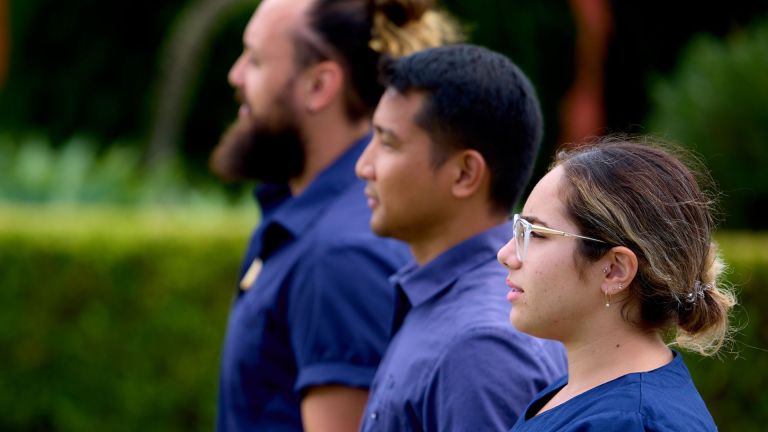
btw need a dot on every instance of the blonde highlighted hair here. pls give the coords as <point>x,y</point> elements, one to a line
<point>640,194</point>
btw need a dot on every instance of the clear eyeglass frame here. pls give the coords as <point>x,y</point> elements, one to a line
<point>522,229</point>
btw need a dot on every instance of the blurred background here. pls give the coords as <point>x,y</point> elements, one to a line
<point>119,250</point>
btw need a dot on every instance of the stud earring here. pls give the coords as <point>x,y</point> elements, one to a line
<point>621,286</point>
<point>605,270</point>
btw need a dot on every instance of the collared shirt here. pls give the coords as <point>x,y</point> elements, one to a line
<point>456,363</point>
<point>663,399</point>
<point>319,311</point>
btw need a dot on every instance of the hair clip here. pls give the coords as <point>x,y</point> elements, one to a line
<point>698,291</point>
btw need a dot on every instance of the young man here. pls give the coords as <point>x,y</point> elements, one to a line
<point>312,317</point>
<point>456,134</point>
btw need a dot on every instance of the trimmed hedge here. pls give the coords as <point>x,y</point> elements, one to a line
<point>114,321</point>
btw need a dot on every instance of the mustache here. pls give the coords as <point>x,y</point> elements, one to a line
<point>239,96</point>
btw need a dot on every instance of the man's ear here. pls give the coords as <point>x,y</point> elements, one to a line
<point>321,84</point>
<point>620,268</point>
<point>469,172</point>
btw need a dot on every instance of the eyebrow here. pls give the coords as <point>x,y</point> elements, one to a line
<point>534,220</point>
<point>386,132</point>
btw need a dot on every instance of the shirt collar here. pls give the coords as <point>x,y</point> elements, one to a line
<point>296,213</point>
<point>423,283</point>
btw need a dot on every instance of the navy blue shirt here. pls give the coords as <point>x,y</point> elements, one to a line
<point>663,399</point>
<point>456,363</point>
<point>319,312</point>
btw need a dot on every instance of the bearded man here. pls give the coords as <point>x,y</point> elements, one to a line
<point>314,309</point>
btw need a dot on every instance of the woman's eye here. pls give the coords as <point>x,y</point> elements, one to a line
<point>534,234</point>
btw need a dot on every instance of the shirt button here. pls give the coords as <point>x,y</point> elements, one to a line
<point>374,415</point>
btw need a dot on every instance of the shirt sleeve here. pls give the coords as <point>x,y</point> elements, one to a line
<point>484,381</point>
<point>340,314</point>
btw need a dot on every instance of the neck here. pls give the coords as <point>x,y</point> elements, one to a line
<point>462,225</point>
<point>326,139</point>
<point>621,350</point>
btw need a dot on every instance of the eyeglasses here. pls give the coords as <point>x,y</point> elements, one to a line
<point>522,230</point>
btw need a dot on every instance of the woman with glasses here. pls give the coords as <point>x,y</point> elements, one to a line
<point>612,255</point>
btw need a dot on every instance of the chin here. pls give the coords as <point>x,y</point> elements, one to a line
<point>378,228</point>
<point>520,324</point>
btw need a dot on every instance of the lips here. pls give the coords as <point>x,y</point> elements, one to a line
<point>373,201</point>
<point>244,111</point>
<point>514,291</point>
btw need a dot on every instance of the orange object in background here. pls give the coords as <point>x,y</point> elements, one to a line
<point>582,112</point>
<point>5,41</point>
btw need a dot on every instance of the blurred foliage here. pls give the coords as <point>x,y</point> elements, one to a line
<point>733,384</point>
<point>83,67</point>
<point>78,70</point>
<point>715,102</point>
<point>648,39</point>
<point>33,171</point>
<point>113,320</point>
<point>96,68</point>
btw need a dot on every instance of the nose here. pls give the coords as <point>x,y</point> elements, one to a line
<point>507,255</point>
<point>235,76</point>
<point>364,167</point>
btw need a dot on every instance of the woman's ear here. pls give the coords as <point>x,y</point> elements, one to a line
<point>470,171</point>
<point>620,268</point>
<point>321,84</point>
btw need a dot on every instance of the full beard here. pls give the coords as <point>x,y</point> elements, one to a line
<point>262,150</point>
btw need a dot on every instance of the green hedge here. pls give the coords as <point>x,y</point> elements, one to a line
<point>113,320</point>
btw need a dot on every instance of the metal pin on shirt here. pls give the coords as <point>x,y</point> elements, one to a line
<point>251,275</point>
